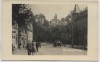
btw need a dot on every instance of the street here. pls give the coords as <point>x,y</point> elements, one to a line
<point>69,27</point>
<point>48,49</point>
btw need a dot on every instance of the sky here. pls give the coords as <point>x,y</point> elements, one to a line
<point>49,10</point>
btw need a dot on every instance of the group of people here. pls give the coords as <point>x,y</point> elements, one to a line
<point>32,47</point>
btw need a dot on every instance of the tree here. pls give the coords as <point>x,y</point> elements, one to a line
<point>22,14</point>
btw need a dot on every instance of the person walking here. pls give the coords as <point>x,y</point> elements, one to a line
<point>37,46</point>
<point>19,45</point>
<point>33,48</point>
<point>29,47</point>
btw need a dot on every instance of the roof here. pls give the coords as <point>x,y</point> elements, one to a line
<point>76,9</point>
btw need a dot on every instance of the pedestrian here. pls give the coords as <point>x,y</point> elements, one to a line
<point>29,47</point>
<point>37,45</point>
<point>12,48</point>
<point>33,48</point>
<point>19,45</point>
<point>40,44</point>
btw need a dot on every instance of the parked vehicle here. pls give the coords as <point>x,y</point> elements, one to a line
<point>57,43</point>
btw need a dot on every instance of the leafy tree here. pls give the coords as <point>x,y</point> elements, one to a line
<point>22,14</point>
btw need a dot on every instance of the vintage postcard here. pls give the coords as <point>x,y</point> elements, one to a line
<point>50,30</point>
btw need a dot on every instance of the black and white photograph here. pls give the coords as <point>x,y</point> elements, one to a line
<point>49,29</point>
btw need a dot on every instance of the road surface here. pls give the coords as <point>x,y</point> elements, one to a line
<point>48,49</point>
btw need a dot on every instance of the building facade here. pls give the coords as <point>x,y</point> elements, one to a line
<point>79,24</point>
<point>14,34</point>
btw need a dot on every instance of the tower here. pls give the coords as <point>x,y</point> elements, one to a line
<point>55,18</point>
<point>76,9</point>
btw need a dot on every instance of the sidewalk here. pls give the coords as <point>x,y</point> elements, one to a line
<point>22,52</point>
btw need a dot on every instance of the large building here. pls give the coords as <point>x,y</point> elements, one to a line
<point>79,26</point>
<point>54,21</point>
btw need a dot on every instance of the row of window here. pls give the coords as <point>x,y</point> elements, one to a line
<point>13,31</point>
<point>14,37</point>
